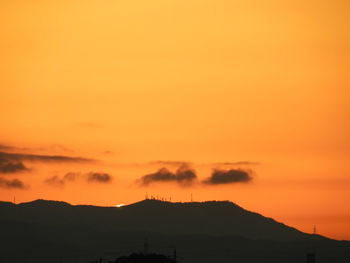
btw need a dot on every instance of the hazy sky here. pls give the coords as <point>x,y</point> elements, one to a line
<point>202,82</point>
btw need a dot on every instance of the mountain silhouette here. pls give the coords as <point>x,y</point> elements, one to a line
<point>201,231</point>
<point>215,218</point>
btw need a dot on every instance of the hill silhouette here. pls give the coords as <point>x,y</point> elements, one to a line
<point>215,218</point>
<point>202,232</point>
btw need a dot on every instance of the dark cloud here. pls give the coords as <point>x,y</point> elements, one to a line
<point>162,174</point>
<point>228,177</point>
<point>99,177</point>
<point>42,158</point>
<point>11,184</point>
<point>7,166</point>
<point>183,176</point>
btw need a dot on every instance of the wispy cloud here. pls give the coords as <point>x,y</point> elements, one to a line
<point>10,148</point>
<point>229,177</point>
<point>42,158</point>
<point>7,166</point>
<point>12,184</point>
<point>55,181</point>
<point>91,177</point>
<point>61,181</point>
<point>51,148</point>
<point>71,176</point>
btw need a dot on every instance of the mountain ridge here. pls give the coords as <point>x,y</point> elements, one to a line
<point>215,218</point>
<point>44,231</point>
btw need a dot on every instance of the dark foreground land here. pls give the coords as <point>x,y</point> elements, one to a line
<point>48,231</point>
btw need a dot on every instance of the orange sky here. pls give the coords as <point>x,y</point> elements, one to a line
<point>131,82</point>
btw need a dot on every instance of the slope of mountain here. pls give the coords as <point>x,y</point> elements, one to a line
<point>50,231</point>
<point>216,218</point>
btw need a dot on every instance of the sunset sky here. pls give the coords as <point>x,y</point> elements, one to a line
<point>247,101</point>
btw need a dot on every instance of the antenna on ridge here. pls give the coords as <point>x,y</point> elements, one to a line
<point>191,197</point>
<point>314,230</point>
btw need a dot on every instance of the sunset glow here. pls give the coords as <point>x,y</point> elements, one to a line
<point>96,95</point>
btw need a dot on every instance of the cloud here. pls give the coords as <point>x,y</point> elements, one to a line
<point>61,181</point>
<point>228,177</point>
<point>73,176</point>
<point>10,148</point>
<point>99,177</point>
<point>51,148</point>
<point>55,181</point>
<point>11,184</point>
<point>12,166</point>
<point>42,158</point>
<point>183,176</point>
